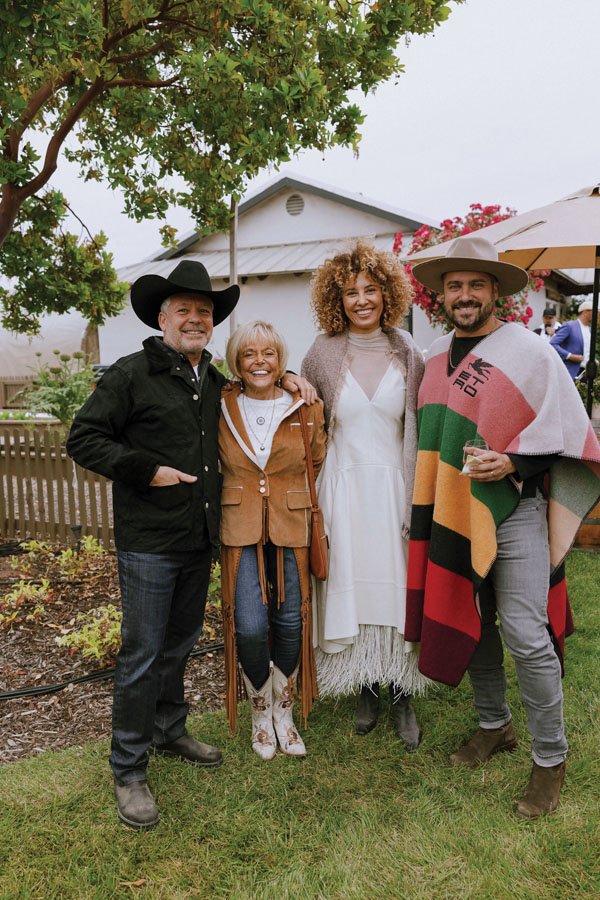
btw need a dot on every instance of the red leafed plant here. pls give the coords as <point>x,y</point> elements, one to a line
<point>510,309</point>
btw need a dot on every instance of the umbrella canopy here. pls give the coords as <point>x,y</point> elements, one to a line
<point>563,235</point>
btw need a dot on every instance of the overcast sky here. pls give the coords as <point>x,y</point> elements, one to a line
<point>500,105</point>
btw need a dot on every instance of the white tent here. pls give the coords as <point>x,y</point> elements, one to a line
<point>59,332</point>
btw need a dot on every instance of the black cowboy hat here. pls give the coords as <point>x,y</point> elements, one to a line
<point>149,291</point>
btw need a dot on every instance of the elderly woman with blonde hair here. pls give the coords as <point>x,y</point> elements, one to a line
<point>367,372</point>
<point>265,536</point>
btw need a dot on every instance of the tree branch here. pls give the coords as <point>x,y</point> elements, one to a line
<point>112,40</point>
<point>42,200</point>
<point>36,102</point>
<point>136,54</point>
<point>175,20</point>
<point>58,139</point>
<point>83,225</point>
<point>140,82</point>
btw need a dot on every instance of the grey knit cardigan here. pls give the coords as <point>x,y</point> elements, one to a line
<point>325,367</point>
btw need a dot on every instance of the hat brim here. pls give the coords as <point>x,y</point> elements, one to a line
<point>150,291</point>
<point>511,279</point>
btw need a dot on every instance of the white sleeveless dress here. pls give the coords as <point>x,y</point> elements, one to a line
<point>360,610</point>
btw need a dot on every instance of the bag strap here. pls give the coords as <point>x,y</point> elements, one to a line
<point>308,453</point>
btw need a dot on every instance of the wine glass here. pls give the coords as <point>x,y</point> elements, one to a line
<point>472,459</point>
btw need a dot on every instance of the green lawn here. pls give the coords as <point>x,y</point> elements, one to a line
<point>358,818</point>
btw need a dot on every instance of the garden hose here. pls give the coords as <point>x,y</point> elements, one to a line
<point>98,675</point>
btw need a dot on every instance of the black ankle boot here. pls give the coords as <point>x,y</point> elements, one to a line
<point>367,709</point>
<point>404,718</point>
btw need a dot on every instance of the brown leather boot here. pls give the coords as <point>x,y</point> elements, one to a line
<point>135,805</point>
<point>543,791</point>
<point>484,743</point>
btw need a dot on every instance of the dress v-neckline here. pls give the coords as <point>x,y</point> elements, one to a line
<point>377,389</point>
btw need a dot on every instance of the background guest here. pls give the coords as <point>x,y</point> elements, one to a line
<point>549,324</point>
<point>572,340</point>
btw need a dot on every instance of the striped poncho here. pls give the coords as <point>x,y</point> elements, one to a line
<point>514,391</point>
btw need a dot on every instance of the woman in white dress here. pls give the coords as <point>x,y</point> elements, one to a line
<point>367,372</point>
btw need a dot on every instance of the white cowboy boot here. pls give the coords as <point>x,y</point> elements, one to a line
<point>261,704</point>
<point>283,699</point>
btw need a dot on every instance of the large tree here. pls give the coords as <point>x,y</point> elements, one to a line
<point>53,270</point>
<point>212,92</point>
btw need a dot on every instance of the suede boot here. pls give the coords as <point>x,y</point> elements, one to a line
<point>484,743</point>
<point>543,791</point>
<point>135,805</point>
<point>283,700</point>
<point>404,719</point>
<point>367,709</point>
<point>264,742</point>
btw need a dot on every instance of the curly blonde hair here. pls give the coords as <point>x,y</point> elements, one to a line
<point>327,286</point>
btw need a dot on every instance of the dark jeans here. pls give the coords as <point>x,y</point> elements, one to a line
<point>163,598</point>
<point>252,616</point>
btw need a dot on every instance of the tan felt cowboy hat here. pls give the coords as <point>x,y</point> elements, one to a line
<point>149,291</point>
<point>471,253</point>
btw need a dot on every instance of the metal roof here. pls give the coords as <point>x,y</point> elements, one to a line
<point>402,218</point>
<point>274,259</point>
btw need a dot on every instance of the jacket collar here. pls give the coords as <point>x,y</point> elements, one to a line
<point>232,415</point>
<point>161,356</point>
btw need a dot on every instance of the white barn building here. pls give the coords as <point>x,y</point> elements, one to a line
<point>285,231</point>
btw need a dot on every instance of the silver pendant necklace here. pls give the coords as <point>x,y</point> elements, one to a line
<point>260,420</point>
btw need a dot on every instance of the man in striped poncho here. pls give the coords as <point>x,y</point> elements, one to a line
<point>488,539</point>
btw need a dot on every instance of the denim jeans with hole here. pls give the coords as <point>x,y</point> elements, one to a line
<point>252,616</point>
<point>163,598</point>
<point>520,578</point>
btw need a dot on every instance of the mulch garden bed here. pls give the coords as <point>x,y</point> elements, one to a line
<point>30,657</point>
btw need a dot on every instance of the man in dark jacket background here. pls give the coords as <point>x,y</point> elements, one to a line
<point>151,427</point>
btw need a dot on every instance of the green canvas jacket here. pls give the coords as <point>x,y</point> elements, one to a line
<point>149,410</point>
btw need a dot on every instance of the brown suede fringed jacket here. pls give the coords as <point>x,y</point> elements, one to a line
<point>260,505</point>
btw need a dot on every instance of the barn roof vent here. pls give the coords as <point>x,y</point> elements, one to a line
<point>294,204</point>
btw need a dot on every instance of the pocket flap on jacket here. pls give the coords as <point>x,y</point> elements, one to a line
<point>169,496</point>
<point>298,499</point>
<point>231,496</point>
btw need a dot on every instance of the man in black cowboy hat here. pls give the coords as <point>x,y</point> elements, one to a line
<point>493,457</point>
<point>151,427</point>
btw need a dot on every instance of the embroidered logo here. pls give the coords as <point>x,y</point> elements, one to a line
<point>469,382</point>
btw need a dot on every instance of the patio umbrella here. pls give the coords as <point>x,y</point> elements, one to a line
<point>563,235</point>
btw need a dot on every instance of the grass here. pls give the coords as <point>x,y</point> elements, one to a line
<point>358,818</point>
